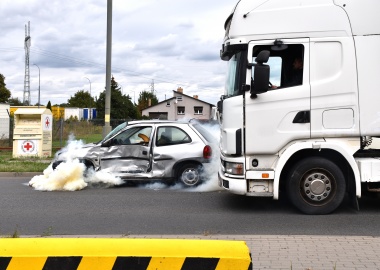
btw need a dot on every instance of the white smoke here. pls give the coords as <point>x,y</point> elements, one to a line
<point>211,184</point>
<point>67,176</point>
<point>71,175</point>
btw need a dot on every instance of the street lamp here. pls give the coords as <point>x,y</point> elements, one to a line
<point>39,84</point>
<point>134,96</point>
<point>90,83</point>
<point>90,109</point>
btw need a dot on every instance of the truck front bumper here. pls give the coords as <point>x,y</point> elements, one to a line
<point>257,187</point>
<point>237,186</point>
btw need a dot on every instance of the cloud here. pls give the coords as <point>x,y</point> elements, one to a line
<point>174,43</point>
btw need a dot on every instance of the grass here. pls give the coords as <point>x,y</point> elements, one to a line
<point>19,165</point>
<point>81,130</point>
<point>47,232</point>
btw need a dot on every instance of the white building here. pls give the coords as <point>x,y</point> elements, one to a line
<point>180,106</point>
<point>4,121</point>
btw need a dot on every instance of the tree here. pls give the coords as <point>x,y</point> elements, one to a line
<point>15,101</point>
<point>121,105</point>
<point>62,105</point>
<point>143,101</point>
<point>5,94</point>
<point>48,106</point>
<point>81,99</point>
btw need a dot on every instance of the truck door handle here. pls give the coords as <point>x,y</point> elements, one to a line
<point>144,152</point>
<point>302,117</point>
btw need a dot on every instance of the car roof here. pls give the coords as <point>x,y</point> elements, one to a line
<point>155,122</point>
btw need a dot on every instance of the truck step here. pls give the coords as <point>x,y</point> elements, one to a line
<point>373,187</point>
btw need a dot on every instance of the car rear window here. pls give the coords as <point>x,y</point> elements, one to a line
<point>203,131</point>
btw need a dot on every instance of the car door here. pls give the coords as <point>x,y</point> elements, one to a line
<point>172,144</point>
<point>129,152</point>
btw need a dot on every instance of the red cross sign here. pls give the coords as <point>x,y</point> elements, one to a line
<point>28,146</point>
<point>47,122</point>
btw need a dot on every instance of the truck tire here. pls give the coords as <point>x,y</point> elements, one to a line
<point>189,174</point>
<point>316,186</point>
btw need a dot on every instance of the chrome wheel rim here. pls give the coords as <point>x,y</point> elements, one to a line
<point>190,177</point>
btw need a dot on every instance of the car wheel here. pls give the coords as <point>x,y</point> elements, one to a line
<point>190,174</point>
<point>55,164</point>
<point>316,186</point>
<point>89,167</point>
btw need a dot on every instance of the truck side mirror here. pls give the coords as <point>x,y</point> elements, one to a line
<point>260,81</point>
<point>220,106</point>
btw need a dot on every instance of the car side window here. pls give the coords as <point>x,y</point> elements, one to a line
<point>171,136</point>
<point>137,135</point>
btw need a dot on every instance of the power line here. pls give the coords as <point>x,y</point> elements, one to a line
<point>83,62</point>
<point>94,64</point>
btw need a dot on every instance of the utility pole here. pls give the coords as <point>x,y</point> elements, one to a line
<point>107,115</point>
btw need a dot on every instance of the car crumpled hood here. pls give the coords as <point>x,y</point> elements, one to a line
<point>74,150</point>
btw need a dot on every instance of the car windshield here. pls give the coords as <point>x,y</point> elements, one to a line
<point>114,131</point>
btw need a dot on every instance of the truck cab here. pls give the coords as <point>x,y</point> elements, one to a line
<point>300,107</point>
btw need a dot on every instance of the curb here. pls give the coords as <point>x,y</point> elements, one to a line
<point>19,174</point>
<point>104,253</point>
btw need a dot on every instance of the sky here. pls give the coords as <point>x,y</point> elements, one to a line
<point>165,43</point>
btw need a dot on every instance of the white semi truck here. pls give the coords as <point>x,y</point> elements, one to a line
<point>302,101</point>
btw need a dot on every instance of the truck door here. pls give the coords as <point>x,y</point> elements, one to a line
<point>282,114</point>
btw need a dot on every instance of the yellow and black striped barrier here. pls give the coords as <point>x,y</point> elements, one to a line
<point>119,254</point>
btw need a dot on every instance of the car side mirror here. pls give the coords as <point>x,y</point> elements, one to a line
<point>106,144</point>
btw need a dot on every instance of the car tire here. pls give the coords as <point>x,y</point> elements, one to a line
<point>190,174</point>
<point>88,166</point>
<point>316,186</point>
<point>55,164</point>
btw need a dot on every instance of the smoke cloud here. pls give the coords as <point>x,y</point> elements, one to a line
<point>72,175</point>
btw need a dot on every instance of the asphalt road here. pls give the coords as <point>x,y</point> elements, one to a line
<point>144,211</point>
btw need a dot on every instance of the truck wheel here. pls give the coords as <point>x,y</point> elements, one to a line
<point>316,186</point>
<point>190,174</point>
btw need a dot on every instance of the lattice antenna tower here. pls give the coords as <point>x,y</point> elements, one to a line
<point>152,87</point>
<point>27,43</point>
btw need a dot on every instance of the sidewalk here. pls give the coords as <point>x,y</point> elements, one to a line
<point>299,252</point>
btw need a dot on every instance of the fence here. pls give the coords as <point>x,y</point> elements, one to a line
<point>6,132</point>
<point>89,131</point>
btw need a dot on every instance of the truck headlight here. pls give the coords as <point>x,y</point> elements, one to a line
<point>234,168</point>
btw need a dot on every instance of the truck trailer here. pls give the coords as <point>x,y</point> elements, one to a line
<point>301,103</point>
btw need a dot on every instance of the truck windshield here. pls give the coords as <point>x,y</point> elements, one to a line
<point>234,74</point>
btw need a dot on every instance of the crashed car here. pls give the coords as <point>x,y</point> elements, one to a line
<point>165,151</point>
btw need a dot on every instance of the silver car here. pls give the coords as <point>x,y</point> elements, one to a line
<point>151,150</point>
